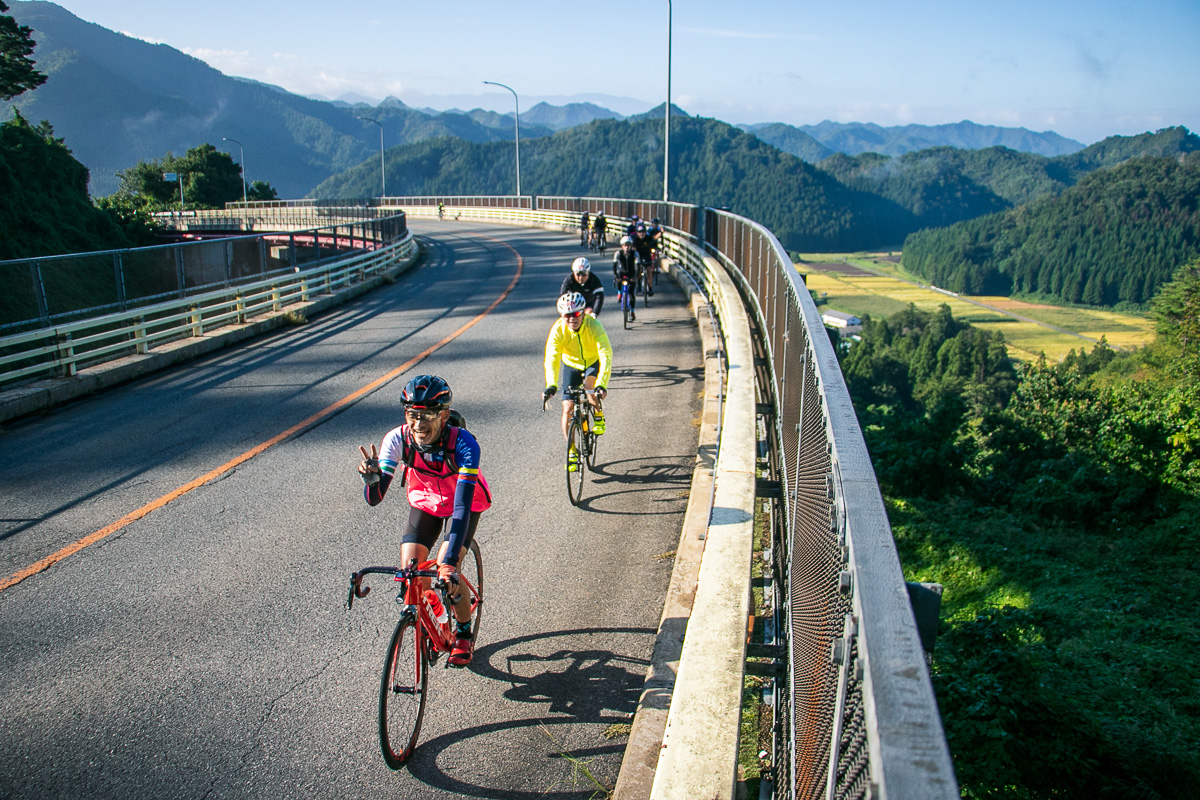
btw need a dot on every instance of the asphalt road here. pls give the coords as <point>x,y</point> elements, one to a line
<point>204,650</point>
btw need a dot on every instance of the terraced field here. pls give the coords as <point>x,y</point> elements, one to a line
<point>865,285</point>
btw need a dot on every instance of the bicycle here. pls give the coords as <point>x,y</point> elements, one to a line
<point>624,292</point>
<point>594,241</point>
<point>602,241</point>
<point>580,438</point>
<point>645,277</point>
<point>423,632</point>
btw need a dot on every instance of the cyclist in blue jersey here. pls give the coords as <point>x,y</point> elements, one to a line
<point>440,463</point>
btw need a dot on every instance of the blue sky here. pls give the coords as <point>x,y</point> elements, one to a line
<point>1084,70</point>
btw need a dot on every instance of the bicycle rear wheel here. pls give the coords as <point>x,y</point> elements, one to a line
<point>646,278</point>
<point>624,310</point>
<point>575,479</point>
<point>402,693</point>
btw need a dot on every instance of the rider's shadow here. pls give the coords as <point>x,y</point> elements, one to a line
<point>582,682</point>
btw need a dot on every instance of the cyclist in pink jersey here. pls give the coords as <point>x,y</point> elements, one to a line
<point>439,461</point>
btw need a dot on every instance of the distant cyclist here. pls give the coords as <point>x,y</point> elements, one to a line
<point>584,227</point>
<point>583,281</point>
<point>578,353</point>
<point>631,228</point>
<point>647,253</point>
<point>440,463</point>
<point>441,209</point>
<point>600,226</point>
<point>654,231</point>
<point>626,267</point>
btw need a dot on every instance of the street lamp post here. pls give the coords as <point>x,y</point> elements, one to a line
<point>517,106</point>
<point>242,151</point>
<point>667,124</point>
<point>382,169</point>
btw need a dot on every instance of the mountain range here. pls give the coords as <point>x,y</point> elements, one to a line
<point>117,101</point>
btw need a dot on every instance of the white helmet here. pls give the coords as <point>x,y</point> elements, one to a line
<point>581,265</point>
<point>626,240</point>
<point>571,302</point>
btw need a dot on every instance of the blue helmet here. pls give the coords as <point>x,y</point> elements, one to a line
<point>426,391</point>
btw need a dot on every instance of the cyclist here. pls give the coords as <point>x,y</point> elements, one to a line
<point>647,255</point>
<point>583,281</point>
<point>654,231</point>
<point>440,463</point>
<point>631,228</point>
<point>600,226</point>
<point>578,353</point>
<point>627,267</point>
<point>441,209</point>
<point>584,225</point>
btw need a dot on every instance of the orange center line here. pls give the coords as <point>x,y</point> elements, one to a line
<point>294,431</point>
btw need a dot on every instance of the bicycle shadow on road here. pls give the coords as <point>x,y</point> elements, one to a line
<point>424,763</point>
<point>617,479</point>
<point>580,681</point>
<point>574,685</point>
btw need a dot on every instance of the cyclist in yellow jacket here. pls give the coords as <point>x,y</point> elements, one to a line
<point>578,353</point>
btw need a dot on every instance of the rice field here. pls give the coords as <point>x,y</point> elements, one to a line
<point>863,286</point>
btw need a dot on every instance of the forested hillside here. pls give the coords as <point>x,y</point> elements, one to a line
<point>1116,237</point>
<point>117,100</point>
<point>712,163</point>
<point>854,138</point>
<point>44,203</point>
<point>1057,505</point>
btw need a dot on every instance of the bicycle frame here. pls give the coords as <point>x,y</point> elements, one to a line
<point>412,597</point>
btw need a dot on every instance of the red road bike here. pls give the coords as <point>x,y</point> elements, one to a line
<point>424,632</point>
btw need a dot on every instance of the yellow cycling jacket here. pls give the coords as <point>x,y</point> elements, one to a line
<point>578,350</point>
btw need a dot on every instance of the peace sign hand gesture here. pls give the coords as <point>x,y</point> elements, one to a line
<point>369,466</point>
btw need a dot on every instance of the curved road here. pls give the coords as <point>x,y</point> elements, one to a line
<point>204,650</point>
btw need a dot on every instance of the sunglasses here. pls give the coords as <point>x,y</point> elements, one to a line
<point>573,315</point>
<point>426,414</point>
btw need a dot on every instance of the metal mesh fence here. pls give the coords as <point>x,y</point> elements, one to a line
<point>810,542</point>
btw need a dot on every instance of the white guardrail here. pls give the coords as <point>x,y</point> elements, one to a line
<point>62,349</point>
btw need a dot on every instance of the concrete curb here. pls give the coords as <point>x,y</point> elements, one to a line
<point>688,713</point>
<point>640,761</point>
<point>50,392</point>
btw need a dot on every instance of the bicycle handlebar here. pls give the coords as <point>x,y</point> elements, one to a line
<point>398,573</point>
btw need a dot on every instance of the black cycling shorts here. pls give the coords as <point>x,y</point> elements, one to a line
<point>423,528</point>
<point>569,377</point>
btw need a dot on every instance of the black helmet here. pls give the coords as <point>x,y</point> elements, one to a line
<point>426,391</point>
<point>655,220</point>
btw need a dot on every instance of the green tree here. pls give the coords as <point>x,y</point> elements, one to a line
<point>210,180</point>
<point>17,73</point>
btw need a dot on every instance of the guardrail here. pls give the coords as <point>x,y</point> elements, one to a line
<point>61,349</point>
<point>856,717</point>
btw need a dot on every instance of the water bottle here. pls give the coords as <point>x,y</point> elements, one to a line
<point>439,610</point>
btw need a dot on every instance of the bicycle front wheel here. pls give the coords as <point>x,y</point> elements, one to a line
<point>471,567</point>
<point>402,693</point>
<point>575,479</point>
<point>591,440</point>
